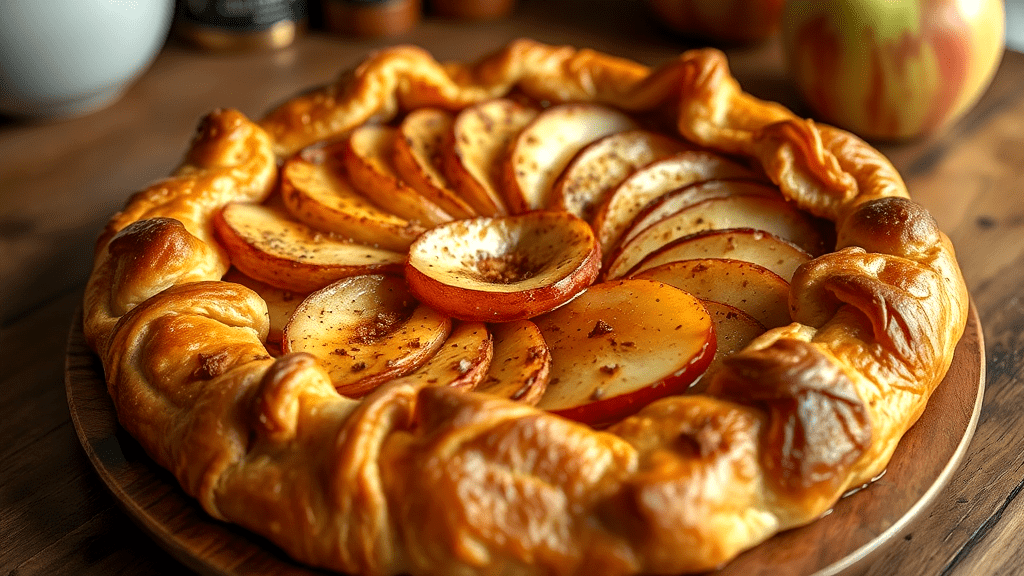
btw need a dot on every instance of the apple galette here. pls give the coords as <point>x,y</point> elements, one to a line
<point>552,312</point>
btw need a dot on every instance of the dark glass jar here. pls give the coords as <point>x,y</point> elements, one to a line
<point>227,25</point>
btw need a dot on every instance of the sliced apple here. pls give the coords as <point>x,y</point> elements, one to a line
<point>602,165</point>
<point>267,244</point>
<point>417,159</point>
<point>773,215</point>
<point>734,329</point>
<point>316,191</point>
<point>462,360</point>
<point>747,244</point>
<point>477,144</point>
<point>619,209</point>
<point>503,269</point>
<point>753,289</point>
<point>519,369</point>
<point>674,201</point>
<point>280,303</point>
<point>365,330</point>
<point>620,345</point>
<point>543,149</point>
<point>368,155</point>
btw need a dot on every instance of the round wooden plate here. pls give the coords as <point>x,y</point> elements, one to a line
<point>859,526</point>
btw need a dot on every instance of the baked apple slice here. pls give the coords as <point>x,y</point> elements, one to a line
<point>368,155</point>
<point>503,269</point>
<point>417,159</point>
<point>462,360</point>
<point>476,147</point>
<point>602,165</point>
<point>265,243</point>
<point>316,191</point>
<point>365,330</point>
<point>747,244</point>
<point>519,369</point>
<point>734,329</point>
<point>542,150</point>
<point>281,304</point>
<point>676,200</point>
<point>753,289</point>
<point>619,209</point>
<point>773,215</point>
<point>621,345</point>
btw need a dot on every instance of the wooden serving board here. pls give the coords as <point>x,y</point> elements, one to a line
<point>842,542</point>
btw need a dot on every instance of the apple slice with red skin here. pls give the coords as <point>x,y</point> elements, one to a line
<point>619,209</point>
<point>417,159</point>
<point>747,244</point>
<point>734,329</point>
<point>621,345</point>
<point>545,147</point>
<point>281,303</point>
<point>365,330</point>
<point>753,289</point>
<point>462,360</point>
<point>476,148</point>
<point>676,200</point>
<point>503,269</point>
<point>602,165</point>
<point>368,154</point>
<point>267,244</point>
<point>773,215</point>
<point>519,369</point>
<point>316,191</point>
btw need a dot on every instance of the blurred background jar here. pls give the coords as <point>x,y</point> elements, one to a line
<point>64,58</point>
<point>234,25</point>
<point>391,18</point>
<point>720,21</point>
<point>471,9</point>
<point>370,18</point>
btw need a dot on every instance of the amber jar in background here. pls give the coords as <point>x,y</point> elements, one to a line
<point>232,25</point>
<point>370,18</point>
<point>720,21</point>
<point>471,9</point>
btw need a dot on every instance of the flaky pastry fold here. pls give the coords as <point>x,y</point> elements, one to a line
<point>421,480</point>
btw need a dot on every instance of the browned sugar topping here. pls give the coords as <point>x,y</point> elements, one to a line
<point>505,268</point>
<point>600,328</point>
<point>380,326</point>
<point>212,365</point>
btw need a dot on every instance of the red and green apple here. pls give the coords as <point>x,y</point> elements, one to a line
<point>890,70</point>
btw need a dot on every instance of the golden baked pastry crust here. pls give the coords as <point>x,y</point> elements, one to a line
<point>430,480</point>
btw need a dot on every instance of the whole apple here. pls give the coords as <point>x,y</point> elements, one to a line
<point>892,69</point>
<point>731,21</point>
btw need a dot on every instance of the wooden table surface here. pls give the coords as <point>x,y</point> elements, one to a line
<point>60,181</point>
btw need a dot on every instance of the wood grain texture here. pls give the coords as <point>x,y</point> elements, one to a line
<point>56,515</point>
<point>59,182</point>
<point>971,180</point>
